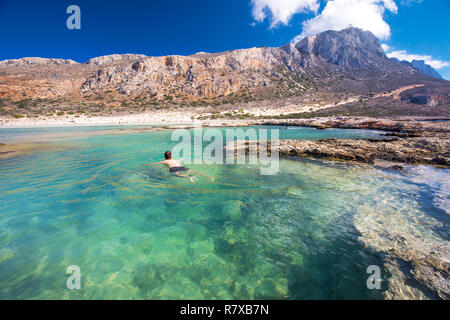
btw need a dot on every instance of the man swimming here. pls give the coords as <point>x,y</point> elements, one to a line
<point>176,168</point>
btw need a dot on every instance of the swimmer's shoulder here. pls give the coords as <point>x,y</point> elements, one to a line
<point>172,163</point>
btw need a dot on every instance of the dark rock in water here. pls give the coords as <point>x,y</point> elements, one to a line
<point>401,135</point>
<point>266,290</point>
<point>243,293</point>
<point>441,161</point>
<point>383,140</point>
<point>398,168</point>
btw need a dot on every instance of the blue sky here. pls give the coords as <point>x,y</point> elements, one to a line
<point>407,28</point>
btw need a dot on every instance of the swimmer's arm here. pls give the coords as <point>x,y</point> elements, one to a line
<point>155,163</point>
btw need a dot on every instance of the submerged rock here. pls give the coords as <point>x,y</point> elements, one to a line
<point>232,210</point>
<point>417,261</point>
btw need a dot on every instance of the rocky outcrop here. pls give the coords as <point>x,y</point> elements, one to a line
<point>351,47</point>
<point>431,100</point>
<point>37,61</point>
<point>204,75</point>
<point>420,66</point>
<point>431,97</point>
<point>400,128</point>
<point>426,69</point>
<point>438,99</point>
<point>115,58</point>
<point>425,150</point>
<point>410,142</point>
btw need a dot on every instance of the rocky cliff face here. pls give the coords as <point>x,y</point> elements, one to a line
<point>421,66</point>
<point>331,62</point>
<point>347,48</point>
<point>429,96</point>
<point>115,58</point>
<point>425,68</point>
<point>37,61</point>
<point>207,76</point>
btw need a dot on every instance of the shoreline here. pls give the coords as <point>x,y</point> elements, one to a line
<point>407,141</point>
<point>187,116</point>
<point>83,121</point>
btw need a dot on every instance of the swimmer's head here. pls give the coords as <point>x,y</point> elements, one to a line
<point>168,155</point>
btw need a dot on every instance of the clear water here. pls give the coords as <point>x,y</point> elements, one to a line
<point>13,135</point>
<point>138,233</point>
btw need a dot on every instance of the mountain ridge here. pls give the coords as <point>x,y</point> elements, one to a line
<point>425,68</point>
<point>331,66</point>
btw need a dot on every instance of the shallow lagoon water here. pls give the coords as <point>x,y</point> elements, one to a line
<point>138,233</point>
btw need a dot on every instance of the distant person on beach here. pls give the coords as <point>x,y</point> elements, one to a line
<point>177,169</point>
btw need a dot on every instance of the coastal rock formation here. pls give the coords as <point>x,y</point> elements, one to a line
<point>402,127</point>
<point>411,142</point>
<point>429,150</point>
<point>422,150</point>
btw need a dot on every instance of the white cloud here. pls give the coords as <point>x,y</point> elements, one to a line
<point>281,11</point>
<point>340,14</point>
<point>410,2</point>
<point>403,55</point>
<point>385,47</point>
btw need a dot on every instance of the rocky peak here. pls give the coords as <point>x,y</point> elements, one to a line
<point>34,60</point>
<point>351,47</point>
<point>115,58</point>
<point>426,69</point>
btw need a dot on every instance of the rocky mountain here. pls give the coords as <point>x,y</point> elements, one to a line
<point>36,61</point>
<point>421,66</point>
<point>115,58</point>
<point>348,48</point>
<point>329,66</point>
<point>426,69</point>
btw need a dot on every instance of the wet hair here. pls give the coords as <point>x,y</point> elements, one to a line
<point>167,155</point>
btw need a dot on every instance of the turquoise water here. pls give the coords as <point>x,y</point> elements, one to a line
<point>51,133</point>
<point>138,233</point>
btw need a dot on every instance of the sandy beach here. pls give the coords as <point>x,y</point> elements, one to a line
<point>145,118</point>
<point>181,116</point>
